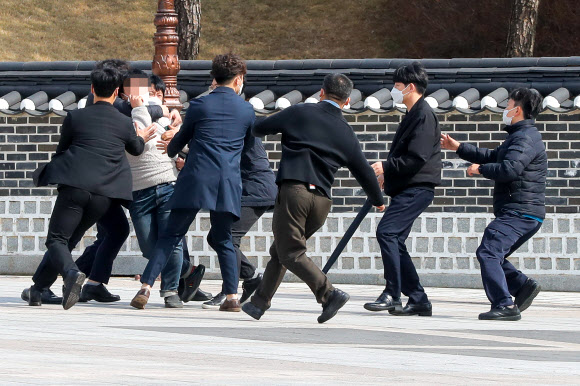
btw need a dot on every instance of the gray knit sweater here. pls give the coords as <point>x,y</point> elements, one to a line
<point>152,167</point>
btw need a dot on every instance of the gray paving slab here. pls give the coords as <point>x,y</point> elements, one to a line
<point>114,344</point>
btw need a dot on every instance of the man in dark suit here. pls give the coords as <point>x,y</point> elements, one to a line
<point>215,127</point>
<point>316,141</point>
<point>91,170</point>
<point>409,175</point>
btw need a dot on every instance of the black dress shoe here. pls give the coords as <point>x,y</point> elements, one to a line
<point>34,297</point>
<point>253,311</point>
<point>336,300</point>
<point>202,296</point>
<point>72,288</point>
<point>47,296</point>
<point>249,286</point>
<point>192,282</point>
<point>421,309</point>
<point>526,294</point>
<point>501,313</point>
<point>385,302</point>
<point>99,293</point>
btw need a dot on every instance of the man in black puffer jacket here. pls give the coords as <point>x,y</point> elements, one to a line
<point>518,167</point>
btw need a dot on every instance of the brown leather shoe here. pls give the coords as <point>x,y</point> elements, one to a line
<point>231,305</point>
<point>141,299</point>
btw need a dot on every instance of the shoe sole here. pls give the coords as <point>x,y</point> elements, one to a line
<point>374,309</point>
<point>346,299</point>
<point>72,295</point>
<point>423,313</point>
<point>167,306</point>
<point>236,309</point>
<point>210,307</point>
<point>196,282</point>
<point>530,299</point>
<point>505,318</point>
<point>139,302</point>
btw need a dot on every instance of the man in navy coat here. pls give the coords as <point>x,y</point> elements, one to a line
<point>215,127</point>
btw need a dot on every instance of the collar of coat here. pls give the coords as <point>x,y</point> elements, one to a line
<point>521,124</point>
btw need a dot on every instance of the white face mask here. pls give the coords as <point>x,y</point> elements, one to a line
<point>398,95</point>
<point>507,120</point>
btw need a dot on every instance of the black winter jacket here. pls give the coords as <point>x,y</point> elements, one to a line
<point>415,155</point>
<point>518,167</point>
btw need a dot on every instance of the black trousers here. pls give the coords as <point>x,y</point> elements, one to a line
<point>97,259</point>
<point>392,231</point>
<point>74,212</point>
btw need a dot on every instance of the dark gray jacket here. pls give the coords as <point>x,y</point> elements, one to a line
<point>518,167</point>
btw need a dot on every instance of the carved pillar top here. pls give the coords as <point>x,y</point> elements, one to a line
<point>166,61</point>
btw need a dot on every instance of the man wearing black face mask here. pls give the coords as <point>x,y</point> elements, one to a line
<point>410,174</point>
<point>518,167</point>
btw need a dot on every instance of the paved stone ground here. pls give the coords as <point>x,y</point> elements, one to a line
<point>114,344</point>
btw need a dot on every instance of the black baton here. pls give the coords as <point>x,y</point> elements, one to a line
<point>347,235</point>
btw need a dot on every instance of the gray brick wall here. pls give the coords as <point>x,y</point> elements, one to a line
<point>442,243</point>
<point>27,141</point>
<point>442,246</point>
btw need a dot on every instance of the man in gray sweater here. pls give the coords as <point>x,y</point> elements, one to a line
<point>154,176</point>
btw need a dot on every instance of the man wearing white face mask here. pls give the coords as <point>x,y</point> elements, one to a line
<point>518,167</point>
<point>409,175</point>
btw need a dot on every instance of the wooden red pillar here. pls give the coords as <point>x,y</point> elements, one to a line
<point>166,61</point>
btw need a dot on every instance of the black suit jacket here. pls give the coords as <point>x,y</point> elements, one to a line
<point>91,153</point>
<point>316,141</point>
<point>415,155</point>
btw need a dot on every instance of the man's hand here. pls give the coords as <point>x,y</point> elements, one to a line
<point>162,145</point>
<point>473,170</point>
<point>378,168</point>
<point>175,117</point>
<point>179,163</point>
<point>381,181</point>
<point>147,134</point>
<point>449,143</point>
<point>165,111</point>
<point>169,134</point>
<point>380,208</point>
<point>136,101</point>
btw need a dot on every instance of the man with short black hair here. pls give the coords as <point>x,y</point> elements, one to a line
<point>519,167</point>
<point>316,141</point>
<point>215,127</point>
<point>409,175</point>
<point>92,173</point>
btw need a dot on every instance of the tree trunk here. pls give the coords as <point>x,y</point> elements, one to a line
<point>522,28</point>
<point>189,28</point>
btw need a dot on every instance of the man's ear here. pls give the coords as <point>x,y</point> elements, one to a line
<point>347,102</point>
<point>92,90</point>
<point>322,94</point>
<point>116,92</point>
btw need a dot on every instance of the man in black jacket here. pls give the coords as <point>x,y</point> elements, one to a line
<point>409,175</point>
<point>316,141</point>
<point>91,170</point>
<point>518,167</point>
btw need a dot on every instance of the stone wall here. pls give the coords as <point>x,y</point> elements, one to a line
<point>442,243</point>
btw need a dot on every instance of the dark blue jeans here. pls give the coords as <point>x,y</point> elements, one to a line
<point>392,231</point>
<point>220,235</point>
<point>501,238</point>
<point>150,215</point>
